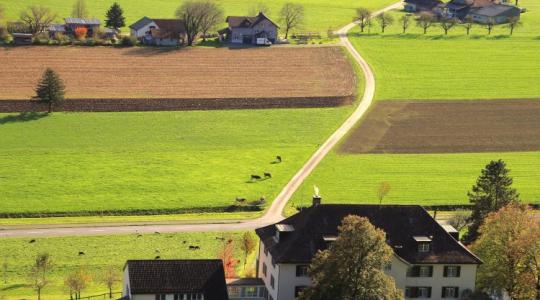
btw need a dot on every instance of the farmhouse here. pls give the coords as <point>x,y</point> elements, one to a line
<point>174,280</point>
<point>159,32</point>
<point>246,30</point>
<point>495,14</point>
<point>428,261</point>
<point>480,11</point>
<point>420,5</point>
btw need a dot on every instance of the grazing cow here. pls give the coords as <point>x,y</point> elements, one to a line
<point>255,177</point>
<point>157,232</point>
<point>220,238</point>
<point>81,253</point>
<point>158,257</point>
<point>241,200</point>
<point>278,158</point>
<point>267,175</point>
<point>32,241</point>
<point>183,242</point>
<point>194,247</point>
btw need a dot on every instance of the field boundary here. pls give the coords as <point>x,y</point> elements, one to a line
<point>175,104</point>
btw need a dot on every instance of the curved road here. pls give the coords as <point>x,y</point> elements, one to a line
<point>272,215</point>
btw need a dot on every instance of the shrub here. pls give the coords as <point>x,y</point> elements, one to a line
<point>126,41</point>
<point>4,35</point>
<point>61,39</point>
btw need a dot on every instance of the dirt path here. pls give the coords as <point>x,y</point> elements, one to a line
<point>273,214</point>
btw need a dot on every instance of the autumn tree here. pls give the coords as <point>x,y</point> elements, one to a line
<point>425,21</point>
<point>50,89</point>
<point>115,17</point>
<point>353,266</point>
<point>77,282</point>
<point>291,16</point>
<point>37,18</point>
<point>513,23</point>
<point>79,9</point>
<point>110,278</point>
<point>196,17</point>
<point>80,32</point>
<point>493,190</point>
<point>383,190</point>
<point>509,246</point>
<point>247,245</point>
<point>405,21</point>
<point>226,254</point>
<point>447,24</point>
<point>363,15</point>
<point>39,273</point>
<point>385,20</point>
<point>259,7</point>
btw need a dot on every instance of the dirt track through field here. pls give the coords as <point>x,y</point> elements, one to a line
<point>448,127</point>
<point>100,72</point>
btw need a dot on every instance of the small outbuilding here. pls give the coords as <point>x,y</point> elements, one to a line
<point>91,25</point>
<point>159,32</point>
<point>22,38</point>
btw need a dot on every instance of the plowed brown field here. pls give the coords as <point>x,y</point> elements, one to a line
<point>448,127</point>
<point>188,73</point>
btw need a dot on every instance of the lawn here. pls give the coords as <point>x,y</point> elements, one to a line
<point>434,66</point>
<point>185,161</point>
<point>100,252</point>
<point>319,14</point>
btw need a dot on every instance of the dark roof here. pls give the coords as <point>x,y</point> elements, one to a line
<point>168,28</point>
<point>426,4</point>
<point>57,28</point>
<point>141,23</point>
<point>178,276</point>
<point>496,10</point>
<point>81,21</point>
<point>247,22</point>
<point>245,282</point>
<point>401,224</point>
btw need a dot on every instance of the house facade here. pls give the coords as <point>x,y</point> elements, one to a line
<point>428,261</point>
<point>479,11</point>
<point>91,25</point>
<point>159,32</point>
<point>495,14</point>
<point>174,280</point>
<point>246,289</point>
<point>246,30</point>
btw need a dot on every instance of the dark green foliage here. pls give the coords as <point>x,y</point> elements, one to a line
<point>491,192</point>
<point>50,89</point>
<point>115,17</point>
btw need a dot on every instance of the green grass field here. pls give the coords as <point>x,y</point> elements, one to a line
<point>154,160</point>
<point>100,252</point>
<point>319,14</point>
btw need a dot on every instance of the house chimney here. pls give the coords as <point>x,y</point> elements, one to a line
<point>316,197</point>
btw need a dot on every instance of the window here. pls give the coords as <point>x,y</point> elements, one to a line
<point>452,271</point>
<point>424,292</point>
<point>418,292</point>
<point>423,247</point>
<point>272,281</point>
<point>420,271</point>
<point>234,291</point>
<point>264,269</point>
<point>178,296</point>
<point>298,290</point>
<point>450,292</point>
<point>388,267</point>
<point>160,297</point>
<point>250,291</point>
<point>302,271</point>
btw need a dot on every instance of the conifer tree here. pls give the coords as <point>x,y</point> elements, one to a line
<point>115,17</point>
<point>50,89</point>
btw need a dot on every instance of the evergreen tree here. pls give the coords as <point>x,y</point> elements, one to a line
<point>115,17</point>
<point>491,192</point>
<point>50,89</point>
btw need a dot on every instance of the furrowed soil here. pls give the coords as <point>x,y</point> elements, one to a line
<point>448,127</point>
<point>151,73</point>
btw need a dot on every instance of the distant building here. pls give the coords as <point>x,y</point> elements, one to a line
<point>480,11</point>
<point>22,38</point>
<point>428,261</point>
<point>159,32</point>
<point>246,30</point>
<point>420,5</point>
<point>91,25</point>
<point>246,289</point>
<point>496,14</point>
<point>174,280</point>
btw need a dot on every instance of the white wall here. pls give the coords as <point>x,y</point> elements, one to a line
<point>267,259</point>
<point>141,32</point>
<point>288,281</point>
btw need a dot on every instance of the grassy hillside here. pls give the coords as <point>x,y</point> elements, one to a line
<point>457,66</point>
<point>320,14</point>
<point>154,160</point>
<point>100,252</point>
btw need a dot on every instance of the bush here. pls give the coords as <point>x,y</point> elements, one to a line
<point>4,35</point>
<point>62,39</point>
<point>126,41</point>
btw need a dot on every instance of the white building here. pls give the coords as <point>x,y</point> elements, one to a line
<point>428,263</point>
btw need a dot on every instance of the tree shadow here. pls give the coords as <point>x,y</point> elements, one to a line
<point>151,51</point>
<point>14,287</point>
<point>23,117</point>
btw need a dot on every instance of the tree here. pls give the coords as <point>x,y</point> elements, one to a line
<point>385,20</point>
<point>115,17</point>
<point>77,282</point>
<point>212,18</point>
<point>468,24</point>
<point>39,273</point>
<point>363,15</point>
<point>447,24</point>
<point>425,20</point>
<point>110,278</point>
<point>491,192</point>
<point>459,221</point>
<point>291,16</point>
<point>226,254</point>
<point>383,190</point>
<point>353,266</point>
<point>248,245</point>
<point>259,7</point>
<point>509,246</point>
<point>405,21</point>
<point>196,14</point>
<point>490,25</point>
<point>37,18</point>
<point>513,23</point>
<point>50,89</point>
<point>79,9</point>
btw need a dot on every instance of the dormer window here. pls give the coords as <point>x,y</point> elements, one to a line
<point>424,243</point>
<point>423,247</point>
<point>282,230</point>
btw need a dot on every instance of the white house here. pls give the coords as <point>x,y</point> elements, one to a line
<point>428,263</point>
<point>246,30</point>
<point>159,32</point>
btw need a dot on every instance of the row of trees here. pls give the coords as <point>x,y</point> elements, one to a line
<point>424,20</point>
